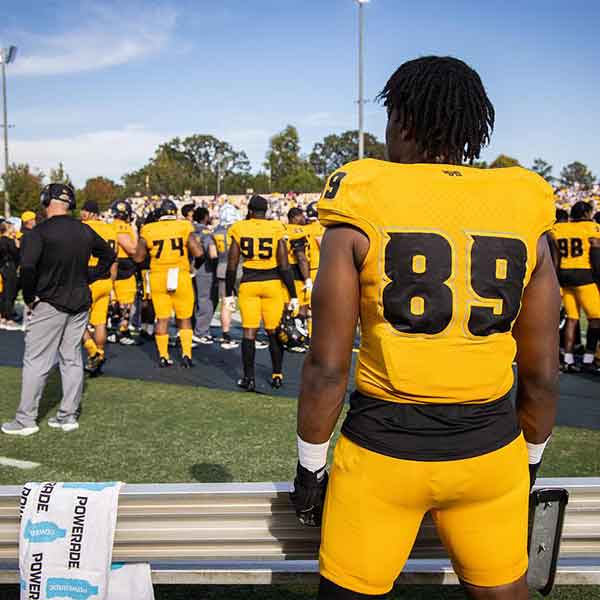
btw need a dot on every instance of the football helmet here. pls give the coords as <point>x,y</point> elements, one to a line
<point>168,208</point>
<point>121,209</point>
<point>292,332</point>
<point>311,211</point>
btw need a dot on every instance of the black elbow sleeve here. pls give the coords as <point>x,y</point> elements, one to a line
<point>199,261</point>
<point>230,277</point>
<point>595,261</point>
<point>288,280</point>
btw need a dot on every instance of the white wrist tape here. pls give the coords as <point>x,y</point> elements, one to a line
<point>536,451</point>
<point>312,456</point>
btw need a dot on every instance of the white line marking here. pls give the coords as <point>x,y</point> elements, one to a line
<point>18,464</point>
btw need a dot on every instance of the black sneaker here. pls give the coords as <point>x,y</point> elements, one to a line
<point>126,339</point>
<point>590,368</point>
<point>276,381</point>
<point>165,362</point>
<point>247,383</point>
<point>186,362</point>
<point>570,368</point>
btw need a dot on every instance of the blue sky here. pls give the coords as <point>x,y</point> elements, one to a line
<point>99,84</point>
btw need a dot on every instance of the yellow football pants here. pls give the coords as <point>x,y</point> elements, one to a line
<point>586,297</point>
<point>180,302</point>
<point>261,300</point>
<point>125,290</point>
<point>100,299</point>
<point>375,505</point>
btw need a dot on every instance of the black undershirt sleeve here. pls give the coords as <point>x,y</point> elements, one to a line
<point>230,276</point>
<point>288,280</point>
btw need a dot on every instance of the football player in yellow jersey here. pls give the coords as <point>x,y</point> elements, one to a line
<point>449,270</point>
<point>260,242</point>
<point>125,286</point>
<point>297,243</point>
<point>578,243</point>
<point>101,289</point>
<point>315,232</point>
<point>170,242</point>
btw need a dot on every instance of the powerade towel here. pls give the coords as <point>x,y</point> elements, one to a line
<point>66,541</point>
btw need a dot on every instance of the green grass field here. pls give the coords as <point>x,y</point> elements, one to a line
<point>142,432</point>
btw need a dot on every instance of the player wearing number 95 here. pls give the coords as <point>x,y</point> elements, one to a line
<point>449,270</point>
<point>261,243</point>
<point>170,242</point>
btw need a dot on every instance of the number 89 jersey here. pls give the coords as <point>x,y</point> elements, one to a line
<point>258,240</point>
<point>167,242</point>
<point>451,250</point>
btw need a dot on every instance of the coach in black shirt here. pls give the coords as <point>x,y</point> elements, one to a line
<point>55,280</point>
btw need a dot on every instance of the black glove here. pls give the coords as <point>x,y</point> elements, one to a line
<point>533,470</point>
<point>308,495</point>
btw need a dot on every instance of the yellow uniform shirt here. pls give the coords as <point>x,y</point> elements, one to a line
<point>167,242</point>
<point>451,250</point>
<point>573,240</point>
<point>314,230</point>
<point>295,236</point>
<point>258,240</point>
<point>107,232</point>
<point>123,227</point>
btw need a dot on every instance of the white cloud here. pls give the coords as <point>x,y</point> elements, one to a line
<point>109,35</point>
<point>109,153</point>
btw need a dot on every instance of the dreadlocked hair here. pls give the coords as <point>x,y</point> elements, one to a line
<point>442,102</point>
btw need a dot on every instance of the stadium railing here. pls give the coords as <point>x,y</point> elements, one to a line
<point>247,533</point>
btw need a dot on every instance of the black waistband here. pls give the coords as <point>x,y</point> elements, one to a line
<point>430,432</point>
<point>126,268</point>
<point>575,277</point>
<point>259,274</point>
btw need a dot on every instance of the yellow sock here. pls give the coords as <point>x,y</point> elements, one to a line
<point>162,343</point>
<point>185,337</point>
<point>90,347</point>
<point>101,352</point>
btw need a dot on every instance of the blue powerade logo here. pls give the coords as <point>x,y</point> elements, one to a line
<point>90,487</point>
<point>77,589</point>
<point>44,531</point>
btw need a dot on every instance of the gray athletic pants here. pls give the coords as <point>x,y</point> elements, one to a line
<point>52,336</point>
<point>206,302</point>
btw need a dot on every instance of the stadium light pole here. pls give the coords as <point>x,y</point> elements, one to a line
<point>361,100</point>
<point>7,55</point>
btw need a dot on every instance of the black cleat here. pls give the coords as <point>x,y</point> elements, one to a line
<point>247,383</point>
<point>276,381</point>
<point>590,368</point>
<point>570,368</point>
<point>186,362</point>
<point>165,362</point>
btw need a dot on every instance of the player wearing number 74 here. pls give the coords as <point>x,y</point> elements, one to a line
<point>449,270</point>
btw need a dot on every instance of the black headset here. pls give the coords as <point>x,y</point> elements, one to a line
<point>58,191</point>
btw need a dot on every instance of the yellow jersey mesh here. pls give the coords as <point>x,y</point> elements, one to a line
<point>106,232</point>
<point>573,240</point>
<point>258,240</point>
<point>122,227</point>
<point>314,231</point>
<point>294,233</point>
<point>167,242</point>
<point>451,249</point>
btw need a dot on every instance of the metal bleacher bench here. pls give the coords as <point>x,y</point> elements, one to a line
<point>247,533</point>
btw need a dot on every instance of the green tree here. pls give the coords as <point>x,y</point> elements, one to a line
<point>503,160</point>
<point>59,175</point>
<point>102,190</point>
<point>338,149</point>
<point>24,187</point>
<point>289,170</point>
<point>577,172</point>
<point>543,169</point>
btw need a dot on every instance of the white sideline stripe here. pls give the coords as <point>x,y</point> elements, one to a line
<point>17,464</point>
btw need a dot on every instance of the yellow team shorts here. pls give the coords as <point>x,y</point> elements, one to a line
<point>100,299</point>
<point>125,290</point>
<point>375,505</point>
<point>261,300</point>
<point>180,302</point>
<point>586,297</point>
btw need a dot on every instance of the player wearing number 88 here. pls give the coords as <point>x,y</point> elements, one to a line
<point>449,270</point>
<point>170,242</point>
